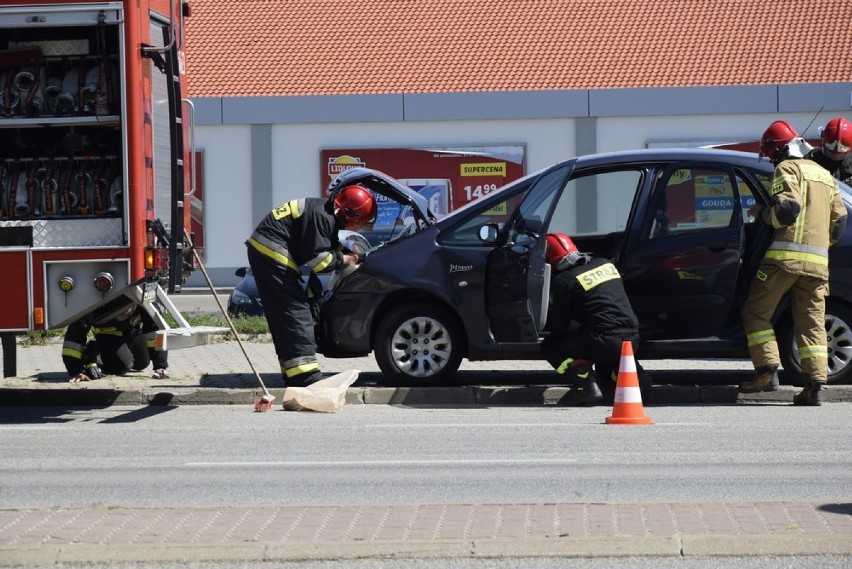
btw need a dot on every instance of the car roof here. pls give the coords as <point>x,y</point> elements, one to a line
<point>626,157</point>
<point>734,157</point>
<point>670,154</point>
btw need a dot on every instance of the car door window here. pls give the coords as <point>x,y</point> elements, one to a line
<point>608,195</point>
<point>747,197</point>
<point>698,198</point>
<point>466,232</point>
<point>528,225</point>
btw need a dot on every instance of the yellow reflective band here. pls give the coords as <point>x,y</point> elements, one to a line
<point>563,367</point>
<point>687,276</point>
<point>800,247</point>
<point>813,352</point>
<point>107,331</point>
<point>318,268</point>
<point>799,233</point>
<point>773,220</point>
<point>289,209</point>
<point>290,372</point>
<point>779,182</point>
<point>796,256</point>
<point>275,256</point>
<point>602,274</point>
<point>151,343</point>
<point>72,353</point>
<point>760,337</point>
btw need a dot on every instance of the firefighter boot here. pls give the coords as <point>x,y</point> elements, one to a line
<point>303,379</point>
<point>584,389</point>
<point>810,396</point>
<point>765,379</point>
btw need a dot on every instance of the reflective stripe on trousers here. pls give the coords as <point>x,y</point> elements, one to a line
<point>807,295</point>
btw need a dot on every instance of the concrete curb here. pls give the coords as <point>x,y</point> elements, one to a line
<point>670,546</point>
<point>462,396</point>
<point>217,374</point>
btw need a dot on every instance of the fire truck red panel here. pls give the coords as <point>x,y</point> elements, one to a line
<point>16,305</point>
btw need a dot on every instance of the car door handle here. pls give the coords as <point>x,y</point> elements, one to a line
<point>718,246</point>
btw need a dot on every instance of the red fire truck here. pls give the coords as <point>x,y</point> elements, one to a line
<point>95,170</point>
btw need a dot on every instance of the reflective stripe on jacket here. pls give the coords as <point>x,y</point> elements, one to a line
<point>801,247</point>
<point>299,232</point>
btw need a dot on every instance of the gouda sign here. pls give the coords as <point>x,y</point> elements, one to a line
<point>484,169</point>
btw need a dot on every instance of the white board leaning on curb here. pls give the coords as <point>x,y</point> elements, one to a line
<point>325,396</point>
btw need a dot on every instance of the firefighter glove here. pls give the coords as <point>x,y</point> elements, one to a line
<point>93,371</point>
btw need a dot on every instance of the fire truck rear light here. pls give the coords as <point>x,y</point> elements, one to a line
<point>104,282</point>
<point>149,259</point>
<point>66,283</point>
<point>38,315</point>
<point>156,259</point>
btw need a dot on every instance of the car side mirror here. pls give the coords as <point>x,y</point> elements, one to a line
<point>488,233</point>
<point>241,272</point>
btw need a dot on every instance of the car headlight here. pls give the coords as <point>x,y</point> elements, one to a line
<point>238,297</point>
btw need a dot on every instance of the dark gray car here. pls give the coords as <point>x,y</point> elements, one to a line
<point>475,284</point>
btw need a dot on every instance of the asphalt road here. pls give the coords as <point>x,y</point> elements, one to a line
<point>436,487</point>
<point>227,456</point>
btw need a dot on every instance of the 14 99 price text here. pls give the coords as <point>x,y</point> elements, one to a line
<point>476,192</point>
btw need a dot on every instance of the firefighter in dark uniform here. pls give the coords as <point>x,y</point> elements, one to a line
<point>124,340</point>
<point>298,233</point>
<point>834,152</point>
<point>589,319</point>
<point>808,215</point>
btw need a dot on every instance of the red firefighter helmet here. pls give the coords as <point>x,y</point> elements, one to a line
<point>354,206</point>
<point>559,247</point>
<point>775,139</point>
<point>837,138</point>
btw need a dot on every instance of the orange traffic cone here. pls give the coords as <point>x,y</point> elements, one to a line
<point>627,409</point>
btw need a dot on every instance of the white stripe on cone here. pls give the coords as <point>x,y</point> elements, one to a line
<point>628,395</point>
<point>628,365</point>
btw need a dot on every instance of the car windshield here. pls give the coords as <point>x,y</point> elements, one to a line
<point>393,219</point>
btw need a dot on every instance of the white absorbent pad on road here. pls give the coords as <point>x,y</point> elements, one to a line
<point>325,396</point>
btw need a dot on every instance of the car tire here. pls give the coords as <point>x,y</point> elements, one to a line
<point>838,326</point>
<point>419,344</point>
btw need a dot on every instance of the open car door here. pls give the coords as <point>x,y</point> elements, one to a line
<point>517,276</point>
<point>690,246</point>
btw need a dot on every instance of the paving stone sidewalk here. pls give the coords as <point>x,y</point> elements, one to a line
<point>50,536</point>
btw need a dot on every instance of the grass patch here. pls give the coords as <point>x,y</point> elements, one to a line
<point>41,337</point>
<point>246,326</point>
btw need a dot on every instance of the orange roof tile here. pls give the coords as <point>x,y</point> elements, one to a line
<point>248,48</point>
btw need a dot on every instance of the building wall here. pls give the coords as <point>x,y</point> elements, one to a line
<point>260,152</point>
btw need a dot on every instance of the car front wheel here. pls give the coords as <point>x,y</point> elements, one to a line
<point>419,344</point>
<point>838,327</point>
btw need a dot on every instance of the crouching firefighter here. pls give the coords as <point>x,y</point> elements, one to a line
<point>808,215</point>
<point>124,340</point>
<point>589,319</point>
<point>302,232</point>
